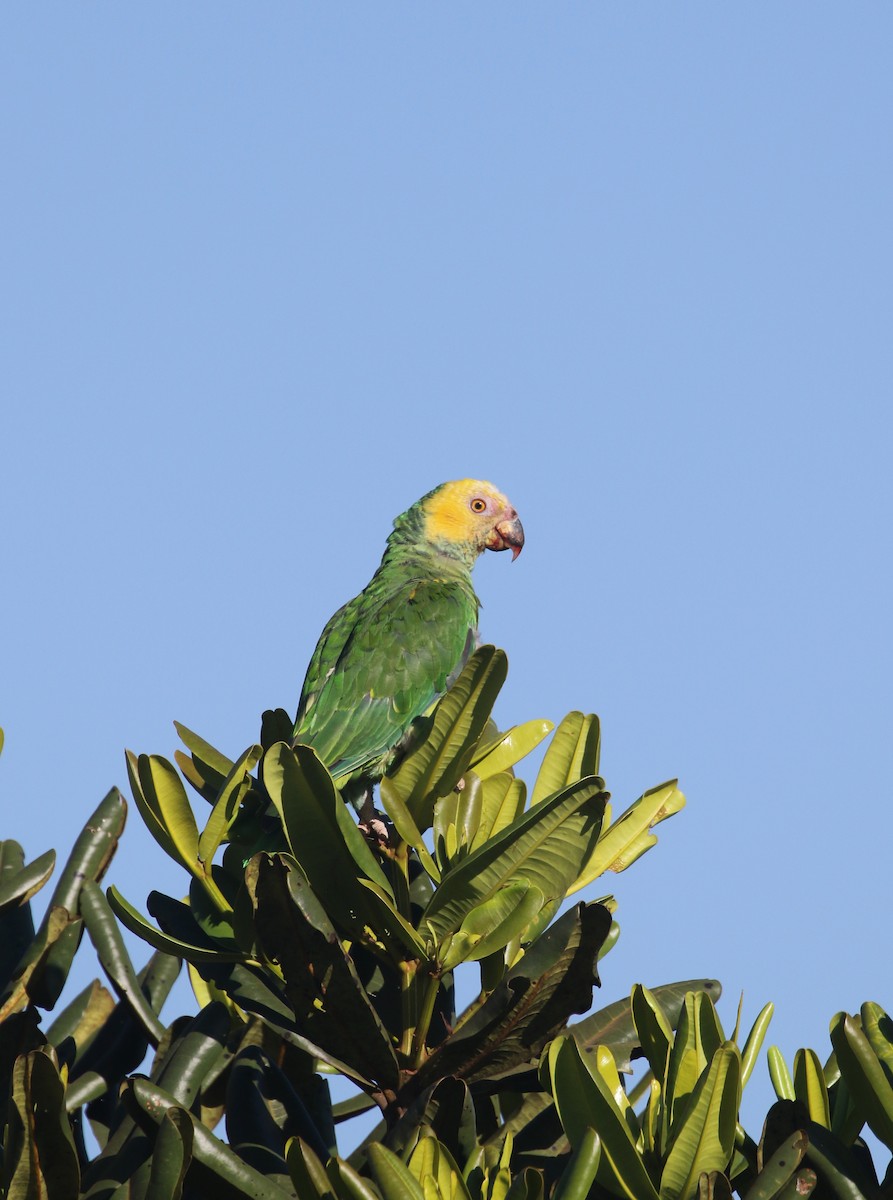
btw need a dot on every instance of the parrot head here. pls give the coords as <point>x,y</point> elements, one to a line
<point>469,516</point>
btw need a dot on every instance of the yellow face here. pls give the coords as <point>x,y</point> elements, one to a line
<point>471,512</point>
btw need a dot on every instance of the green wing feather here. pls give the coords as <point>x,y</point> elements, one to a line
<point>381,662</point>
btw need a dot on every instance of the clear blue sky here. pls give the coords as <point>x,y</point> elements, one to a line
<point>270,272</point>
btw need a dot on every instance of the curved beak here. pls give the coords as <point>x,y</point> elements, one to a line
<point>507,535</point>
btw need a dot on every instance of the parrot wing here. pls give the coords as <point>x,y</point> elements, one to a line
<point>381,662</point>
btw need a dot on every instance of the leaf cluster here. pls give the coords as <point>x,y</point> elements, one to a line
<point>315,953</point>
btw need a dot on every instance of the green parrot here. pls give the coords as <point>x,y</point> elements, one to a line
<point>389,654</point>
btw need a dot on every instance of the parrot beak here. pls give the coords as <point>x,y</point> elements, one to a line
<point>508,534</point>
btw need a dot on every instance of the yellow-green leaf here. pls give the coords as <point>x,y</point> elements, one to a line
<point>509,748</point>
<point>572,754</point>
<point>628,838</point>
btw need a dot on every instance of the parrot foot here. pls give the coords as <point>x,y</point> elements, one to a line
<point>372,823</point>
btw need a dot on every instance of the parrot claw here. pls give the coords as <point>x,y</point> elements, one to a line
<point>375,831</point>
<point>372,823</point>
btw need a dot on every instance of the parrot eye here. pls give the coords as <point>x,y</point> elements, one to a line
<point>478,505</point>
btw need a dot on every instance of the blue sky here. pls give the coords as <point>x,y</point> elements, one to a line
<point>270,272</point>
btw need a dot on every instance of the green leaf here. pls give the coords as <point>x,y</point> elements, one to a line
<point>164,806</point>
<point>780,1168</point>
<point>705,1139</point>
<point>405,826</point>
<point>133,920</point>
<point>654,1030</point>
<point>509,748</point>
<point>584,1102</point>
<point>533,1001</point>
<point>236,784</point>
<point>436,1170</point>
<point>628,838</point>
<point>613,1026</point>
<point>579,1174</point>
<point>205,753</point>
<point>208,1150</point>
<point>878,1028</point>
<point>171,1156</point>
<point>865,1076</point>
<point>572,755</point>
<point>395,1181</point>
<point>502,802</point>
<point>106,937</point>
<point>779,1074</point>
<point>435,766</point>
<point>698,1037</point>
<point>40,1155</point>
<point>494,923</point>
<point>323,836</point>
<point>330,1004</point>
<point>25,883</point>
<point>754,1042</point>
<point>545,847</point>
<point>809,1087</point>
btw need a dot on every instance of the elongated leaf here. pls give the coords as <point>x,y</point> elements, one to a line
<point>509,748</point>
<point>532,1002</point>
<point>630,835</point>
<point>28,985</point>
<point>494,923</point>
<point>573,754</point>
<point>208,1150</point>
<point>308,1175</point>
<point>654,1030</point>
<point>171,1156</point>
<point>164,806</point>
<point>706,1138</point>
<point>330,1004</point>
<point>754,1042</point>
<point>613,1026</point>
<point>226,806</point>
<point>205,753</point>
<point>878,1028</point>
<point>434,767</point>
<point>579,1174</point>
<point>584,1102</point>
<point>502,802</point>
<point>436,1169</point>
<point>348,1182</point>
<point>809,1086</point>
<point>259,993</point>
<point>20,886</point>
<point>698,1037</point>
<point>779,1074</point>
<point>106,937</point>
<point>865,1077</point>
<point>264,1110</point>
<point>90,856</point>
<point>395,1181</point>
<point>82,1018</point>
<point>40,1155</point>
<point>406,827</point>
<point>839,1166</point>
<point>16,923</point>
<point>195,952</point>
<point>323,836</point>
<point>545,846</point>
<point>121,1041</point>
<point>781,1167</point>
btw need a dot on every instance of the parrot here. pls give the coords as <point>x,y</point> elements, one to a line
<point>387,656</point>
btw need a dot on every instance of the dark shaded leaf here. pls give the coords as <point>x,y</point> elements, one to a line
<point>331,1006</point>
<point>106,937</point>
<point>553,980</point>
<point>40,1157</point>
